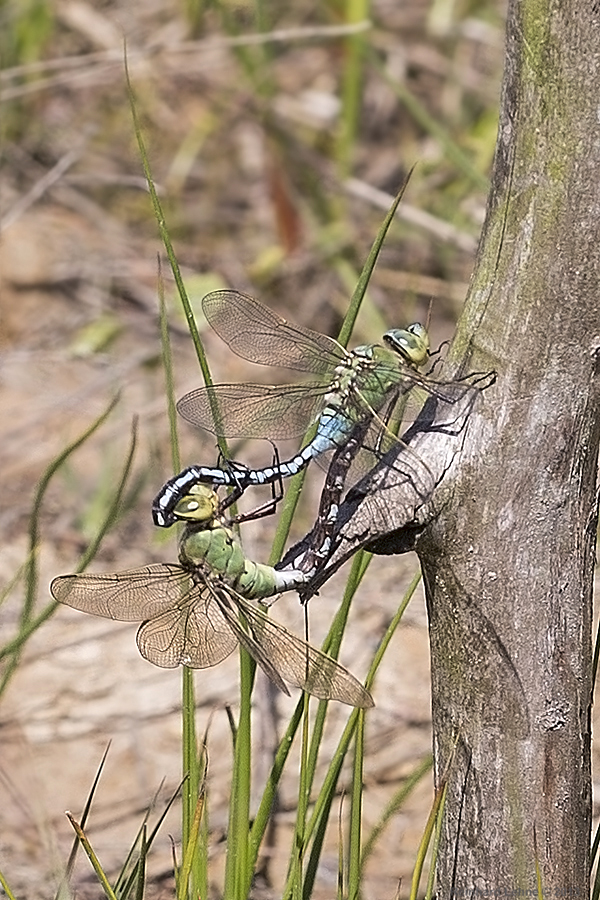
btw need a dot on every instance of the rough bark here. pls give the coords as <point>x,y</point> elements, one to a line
<point>507,542</point>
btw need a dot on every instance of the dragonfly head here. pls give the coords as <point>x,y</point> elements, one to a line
<point>200,505</point>
<point>411,343</point>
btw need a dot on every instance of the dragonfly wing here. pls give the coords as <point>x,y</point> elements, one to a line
<point>403,406</point>
<point>253,410</point>
<point>126,596</point>
<point>261,336</point>
<point>380,439</point>
<point>195,634</point>
<point>446,391</point>
<point>223,595</point>
<point>299,663</point>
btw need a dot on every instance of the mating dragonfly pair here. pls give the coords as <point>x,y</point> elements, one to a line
<point>196,612</point>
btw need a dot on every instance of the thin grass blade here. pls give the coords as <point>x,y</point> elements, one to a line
<point>430,890</point>
<point>5,887</point>
<point>84,816</point>
<point>436,810</point>
<point>100,874</point>
<point>354,843</point>
<point>34,521</point>
<point>238,873</point>
<point>29,625</point>
<point>394,805</point>
<point>167,361</point>
<point>141,868</point>
<point>189,853</point>
<point>322,806</point>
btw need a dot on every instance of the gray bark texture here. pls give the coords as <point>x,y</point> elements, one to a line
<point>507,541</point>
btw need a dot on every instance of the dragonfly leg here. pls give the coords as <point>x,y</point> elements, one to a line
<point>268,508</point>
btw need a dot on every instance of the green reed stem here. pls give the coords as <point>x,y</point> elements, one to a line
<point>352,86</point>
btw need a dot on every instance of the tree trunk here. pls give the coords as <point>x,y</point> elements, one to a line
<point>507,543</point>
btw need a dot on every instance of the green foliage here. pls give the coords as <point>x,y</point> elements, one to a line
<point>25,28</point>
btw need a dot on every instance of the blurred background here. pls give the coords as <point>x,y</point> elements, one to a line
<point>277,136</point>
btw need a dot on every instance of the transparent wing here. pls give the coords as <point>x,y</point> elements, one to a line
<point>253,410</point>
<point>196,635</point>
<point>277,650</point>
<point>128,596</point>
<point>259,335</point>
<point>401,410</point>
<point>423,386</point>
<point>377,439</point>
<point>185,626</point>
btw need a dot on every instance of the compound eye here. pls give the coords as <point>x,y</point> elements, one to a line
<point>195,509</point>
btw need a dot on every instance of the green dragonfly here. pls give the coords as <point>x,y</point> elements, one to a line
<point>358,386</point>
<point>196,612</point>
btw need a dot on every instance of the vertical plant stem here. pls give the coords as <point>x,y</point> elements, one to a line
<point>429,892</point>
<point>190,760</point>
<point>436,810</point>
<point>191,784</point>
<point>238,874</point>
<point>304,787</point>
<point>354,848</point>
<point>356,11</point>
<point>167,361</point>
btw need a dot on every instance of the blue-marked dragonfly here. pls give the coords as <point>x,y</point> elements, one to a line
<point>360,385</point>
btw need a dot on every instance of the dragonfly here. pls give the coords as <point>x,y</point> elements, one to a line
<point>197,611</point>
<point>363,384</point>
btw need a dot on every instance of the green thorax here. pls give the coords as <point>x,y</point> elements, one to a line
<point>215,550</point>
<point>373,373</point>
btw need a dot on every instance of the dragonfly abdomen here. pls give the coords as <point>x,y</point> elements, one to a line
<point>259,581</point>
<point>239,476</point>
<point>218,549</point>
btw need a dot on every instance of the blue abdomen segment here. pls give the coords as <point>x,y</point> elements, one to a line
<point>333,430</point>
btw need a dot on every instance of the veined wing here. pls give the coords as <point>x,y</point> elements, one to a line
<point>405,403</point>
<point>128,596</point>
<point>368,443</point>
<point>280,652</point>
<point>253,410</point>
<point>184,625</point>
<point>196,634</point>
<point>446,391</point>
<point>393,420</point>
<point>261,336</point>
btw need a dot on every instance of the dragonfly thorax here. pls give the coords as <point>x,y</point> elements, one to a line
<point>347,375</point>
<point>215,546</point>
<point>364,351</point>
<point>353,363</point>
